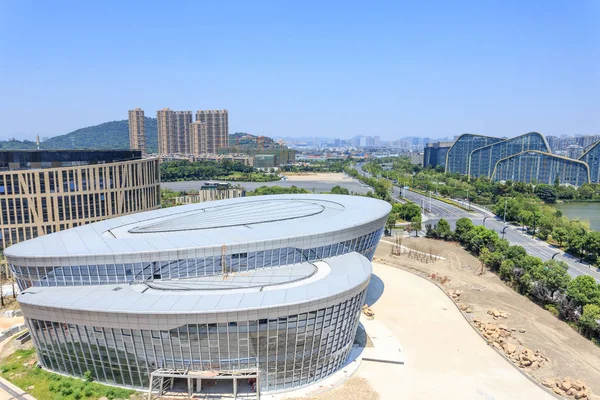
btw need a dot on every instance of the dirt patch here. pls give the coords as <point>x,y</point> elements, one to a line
<point>354,388</point>
<point>532,327</point>
<point>6,323</point>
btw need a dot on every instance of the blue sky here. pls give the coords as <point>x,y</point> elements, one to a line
<point>334,69</point>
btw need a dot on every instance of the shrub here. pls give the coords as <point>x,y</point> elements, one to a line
<point>88,376</point>
<point>552,308</point>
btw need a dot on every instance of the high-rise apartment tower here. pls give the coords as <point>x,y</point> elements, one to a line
<point>137,130</point>
<point>198,137</point>
<point>173,131</point>
<point>217,129</point>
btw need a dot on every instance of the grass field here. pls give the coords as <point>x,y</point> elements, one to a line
<point>20,368</point>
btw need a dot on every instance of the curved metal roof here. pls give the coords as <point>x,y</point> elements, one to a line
<point>224,222</point>
<point>333,276</point>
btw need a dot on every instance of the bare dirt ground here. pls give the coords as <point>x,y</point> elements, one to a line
<point>569,353</point>
<point>354,388</point>
<point>6,323</point>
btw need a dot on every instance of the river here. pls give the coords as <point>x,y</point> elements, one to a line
<point>583,211</point>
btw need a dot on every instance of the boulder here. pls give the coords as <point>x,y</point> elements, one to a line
<point>503,327</point>
<point>556,390</point>
<point>549,383</point>
<point>510,348</point>
<point>469,310</point>
<point>577,385</point>
<point>566,384</point>
<point>30,388</point>
<point>571,392</point>
<point>580,395</point>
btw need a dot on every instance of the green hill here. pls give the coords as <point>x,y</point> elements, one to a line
<point>115,135</point>
<point>109,135</point>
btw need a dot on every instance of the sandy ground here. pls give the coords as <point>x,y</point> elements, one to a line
<point>569,353</point>
<point>6,323</point>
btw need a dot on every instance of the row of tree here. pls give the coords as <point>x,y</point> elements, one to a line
<point>574,300</point>
<point>184,170</point>
<point>550,225</point>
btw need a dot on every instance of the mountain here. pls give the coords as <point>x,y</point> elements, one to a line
<point>109,135</point>
<point>115,135</point>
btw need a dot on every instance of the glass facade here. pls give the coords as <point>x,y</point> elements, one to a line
<point>283,305</point>
<point>483,160</point>
<point>74,275</point>
<point>592,158</point>
<point>535,166</point>
<point>289,351</point>
<point>36,202</point>
<point>37,159</point>
<point>458,155</point>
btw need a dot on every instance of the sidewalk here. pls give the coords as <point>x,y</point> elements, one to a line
<point>8,391</point>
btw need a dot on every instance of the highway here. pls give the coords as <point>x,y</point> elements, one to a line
<point>434,210</point>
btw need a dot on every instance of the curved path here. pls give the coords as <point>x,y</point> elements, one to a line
<point>444,356</point>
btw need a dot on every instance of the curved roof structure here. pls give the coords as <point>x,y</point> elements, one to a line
<point>457,158</point>
<point>592,157</point>
<point>182,230</point>
<point>277,287</point>
<point>483,160</point>
<point>541,167</point>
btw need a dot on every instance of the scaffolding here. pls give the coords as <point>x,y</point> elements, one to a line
<point>163,379</point>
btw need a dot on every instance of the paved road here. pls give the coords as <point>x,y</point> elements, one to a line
<point>514,235</point>
<point>434,210</point>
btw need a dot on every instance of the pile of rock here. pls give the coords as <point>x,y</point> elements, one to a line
<point>528,358</point>
<point>497,314</point>
<point>568,387</point>
<point>492,332</point>
<point>439,278</point>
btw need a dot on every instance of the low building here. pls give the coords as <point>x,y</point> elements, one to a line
<point>211,192</point>
<point>435,154</point>
<point>268,288</point>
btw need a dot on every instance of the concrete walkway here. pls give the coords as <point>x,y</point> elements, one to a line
<point>8,391</point>
<point>444,358</point>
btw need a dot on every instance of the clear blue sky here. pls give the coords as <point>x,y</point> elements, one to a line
<point>334,69</point>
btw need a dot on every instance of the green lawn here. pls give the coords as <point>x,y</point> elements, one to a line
<point>19,369</point>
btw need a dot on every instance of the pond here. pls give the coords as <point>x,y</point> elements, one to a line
<point>583,211</point>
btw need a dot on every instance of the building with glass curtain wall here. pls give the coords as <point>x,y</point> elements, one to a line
<point>483,160</point>
<point>46,191</point>
<point>457,158</point>
<point>592,158</point>
<point>270,285</point>
<point>540,167</point>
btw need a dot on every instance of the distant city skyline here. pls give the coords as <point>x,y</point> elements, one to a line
<point>392,70</point>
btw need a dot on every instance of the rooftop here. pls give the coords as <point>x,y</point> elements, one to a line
<point>263,288</point>
<point>224,222</point>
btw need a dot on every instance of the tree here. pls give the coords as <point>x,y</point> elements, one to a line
<point>584,290</point>
<point>552,279</point>
<point>463,226</point>
<point>443,230</point>
<point>390,224</point>
<point>560,234</point>
<point>415,224</point>
<point>592,245</point>
<point>339,190</point>
<point>589,321</point>
<point>546,193</point>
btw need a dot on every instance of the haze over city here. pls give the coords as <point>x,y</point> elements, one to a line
<point>332,70</point>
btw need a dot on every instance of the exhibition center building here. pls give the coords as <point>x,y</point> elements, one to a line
<point>266,288</point>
